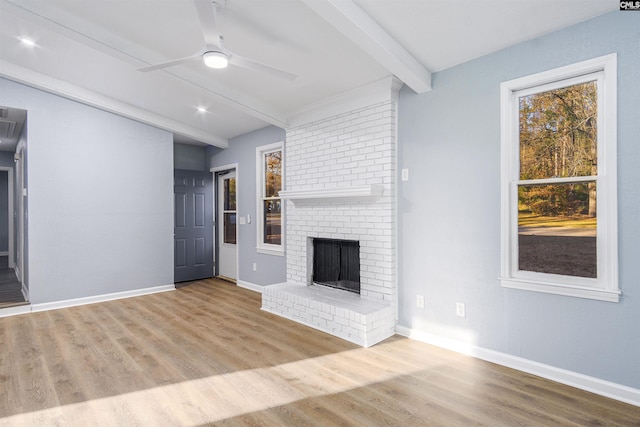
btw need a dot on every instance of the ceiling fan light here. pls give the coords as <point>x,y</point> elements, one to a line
<point>27,42</point>
<point>215,59</point>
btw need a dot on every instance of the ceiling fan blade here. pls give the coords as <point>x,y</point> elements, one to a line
<point>250,64</point>
<point>208,21</point>
<point>171,63</point>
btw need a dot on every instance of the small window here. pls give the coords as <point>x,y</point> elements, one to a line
<point>559,230</point>
<point>229,223</point>
<point>269,169</point>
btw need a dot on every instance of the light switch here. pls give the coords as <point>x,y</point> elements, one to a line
<point>241,220</point>
<point>405,174</point>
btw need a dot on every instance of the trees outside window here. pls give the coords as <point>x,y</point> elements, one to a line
<point>269,169</point>
<point>557,222</point>
<point>559,231</point>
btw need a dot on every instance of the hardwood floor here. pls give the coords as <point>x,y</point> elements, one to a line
<point>206,355</point>
<point>10,288</point>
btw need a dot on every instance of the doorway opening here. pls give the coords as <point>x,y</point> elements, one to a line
<point>13,286</point>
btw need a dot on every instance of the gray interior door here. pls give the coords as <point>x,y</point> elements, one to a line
<point>193,228</point>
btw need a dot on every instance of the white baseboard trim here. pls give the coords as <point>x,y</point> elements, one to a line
<point>584,382</point>
<point>14,311</point>
<point>250,286</point>
<point>100,298</point>
<point>4,253</point>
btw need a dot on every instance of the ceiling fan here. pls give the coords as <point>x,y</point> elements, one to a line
<point>214,54</point>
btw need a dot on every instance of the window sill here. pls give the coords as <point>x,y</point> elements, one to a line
<point>276,252</point>
<point>558,289</point>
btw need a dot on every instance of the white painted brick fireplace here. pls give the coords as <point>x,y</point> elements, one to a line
<point>340,177</point>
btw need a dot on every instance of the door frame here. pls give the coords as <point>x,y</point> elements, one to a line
<point>215,171</point>
<point>10,213</point>
<point>21,224</point>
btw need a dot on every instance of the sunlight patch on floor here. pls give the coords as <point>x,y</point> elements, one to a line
<point>229,395</point>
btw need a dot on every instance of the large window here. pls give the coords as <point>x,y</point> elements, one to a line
<point>269,168</point>
<point>559,231</point>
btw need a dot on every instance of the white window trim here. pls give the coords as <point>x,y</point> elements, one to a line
<point>605,286</point>
<point>261,247</point>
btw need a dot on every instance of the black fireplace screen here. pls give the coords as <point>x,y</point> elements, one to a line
<point>336,263</point>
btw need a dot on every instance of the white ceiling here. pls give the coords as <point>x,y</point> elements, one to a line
<point>333,46</point>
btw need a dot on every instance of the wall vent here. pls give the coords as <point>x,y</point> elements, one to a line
<point>7,128</point>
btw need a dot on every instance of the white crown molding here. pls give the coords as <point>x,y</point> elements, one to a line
<point>383,90</point>
<point>574,379</point>
<point>58,87</point>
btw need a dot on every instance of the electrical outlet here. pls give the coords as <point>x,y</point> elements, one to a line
<point>460,309</point>
<point>255,266</point>
<point>420,301</point>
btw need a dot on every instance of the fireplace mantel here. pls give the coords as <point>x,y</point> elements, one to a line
<point>372,191</point>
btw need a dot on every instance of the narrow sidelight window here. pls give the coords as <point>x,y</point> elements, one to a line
<point>229,225</point>
<point>269,168</point>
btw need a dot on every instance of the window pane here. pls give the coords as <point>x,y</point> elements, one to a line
<point>273,173</point>
<point>558,132</point>
<point>272,222</point>
<point>230,228</point>
<point>557,229</point>
<point>230,194</point>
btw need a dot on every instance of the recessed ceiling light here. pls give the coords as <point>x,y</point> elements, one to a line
<point>202,109</point>
<point>27,42</point>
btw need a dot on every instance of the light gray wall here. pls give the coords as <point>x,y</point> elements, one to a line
<point>449,212</point>
<point>190,157</point>
<point>100,194</point>
<point>242,150</point>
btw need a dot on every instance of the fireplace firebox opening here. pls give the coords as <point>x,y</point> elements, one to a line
<point>336,263</point>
